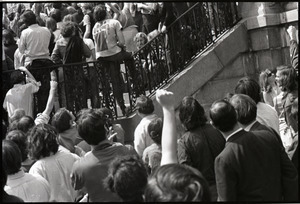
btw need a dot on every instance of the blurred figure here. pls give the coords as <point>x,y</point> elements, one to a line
<point>268,87</point>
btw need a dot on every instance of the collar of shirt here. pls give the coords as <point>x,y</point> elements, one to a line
<point>17,175</point>
<point>233,133</point>
<point>33,25</point>
<point>249,126</point>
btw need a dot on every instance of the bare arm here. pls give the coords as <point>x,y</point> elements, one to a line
<point>50,101</point>
<point>169,132</point>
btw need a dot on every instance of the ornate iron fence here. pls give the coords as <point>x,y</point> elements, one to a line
<point>155,63</point>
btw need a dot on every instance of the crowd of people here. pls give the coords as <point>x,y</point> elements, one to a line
<point>245,149</point>
<point>62,33</point>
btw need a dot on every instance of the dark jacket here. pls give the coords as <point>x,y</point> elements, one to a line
<point>252,167</point>
<point>199,148</point>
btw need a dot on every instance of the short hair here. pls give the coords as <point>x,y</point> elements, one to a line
<point>8,37</point>
<point>69,17</point>
<point>17,77</point>
<point>61,120</point>
<point>223,115</point>
<point>57,5</point>
<point>42,141</point>
<point>67,29</point>
<point>144,105</point>
<point>245,108</point>
<point>56,15</point>
<point>289,79</point>
<point>51,24</point>
<point>127,176</point>
<point>25,123</point>
<point>29,17</point>
<point>155,130</point>
<point>250,87</point>
<point>19,137</point>
<point>191,113</point>
<point>11,157</point>
<point>176,183</point>
<point>91,126</point>
<point>99,13</point>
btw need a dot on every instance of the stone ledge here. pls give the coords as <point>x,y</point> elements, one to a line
<point>271,19</point>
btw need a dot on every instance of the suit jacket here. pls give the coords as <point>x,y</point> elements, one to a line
<point>250,168</point>
<point>258,126</point>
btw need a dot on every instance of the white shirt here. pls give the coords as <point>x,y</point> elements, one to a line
<point>20,96</point>
<point>34,43</point>
<point>267,115</point>
<point>56,169</point>
<point>142,138</point>
<point>31,188</point>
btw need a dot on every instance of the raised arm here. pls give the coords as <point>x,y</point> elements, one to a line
<point>169,132</point>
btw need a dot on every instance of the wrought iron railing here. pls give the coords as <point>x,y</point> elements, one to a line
<point>155,63</point>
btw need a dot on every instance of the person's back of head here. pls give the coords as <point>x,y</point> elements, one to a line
<point>91,126</point>
<point>127,176</point>
<point>25,123</point>
<point>56,15</point>
<point>8,37</point>
<point>250,87</point>
<point>71,9</point>
<point>17,77</point>
<point>42,141</point>
<point>245,108</point>
<point>61,120</point>
<point>177,183</point>
<point>51,24</point>
<point>287,78</point>
<point>99,13</point>
<point>294,110</point>
<point>155,130</point>
<point>144,105</point>
<point>18,137</point>
<point>11,157</point>
<point>223,115</point>
<point>28,17</point>
<point>191,113</point>
<point>67,29</point>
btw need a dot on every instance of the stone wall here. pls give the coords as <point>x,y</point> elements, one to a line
<point>257,42</point>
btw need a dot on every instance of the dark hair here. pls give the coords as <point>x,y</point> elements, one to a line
<point>57,5</point>
<point>250,87</point>
<point>61,120</point>
<point>56,15</point>
<point>99,13</point>
<point>90,126</point>
<point>29,17</point>
<point>289,79</point>
<point>67,29</point>
<point>42,141</point>
<point>21,26</point>
<point>127,176</point>
<point>223,115</point>
<point>19,137</point>
<point>177,183</point>
<point>17,77</point>
<point>11,157</point>
<point>8,37</point>
<point>191,113</point>
<point>155,130</point>
<point>25,123</point>
<point>51,24</point>
<point>263,80</point>
<point>245,108</point>
<point>144,105</point>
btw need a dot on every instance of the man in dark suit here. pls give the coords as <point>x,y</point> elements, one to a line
<point>250,167</point>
